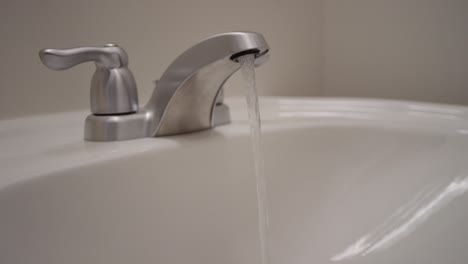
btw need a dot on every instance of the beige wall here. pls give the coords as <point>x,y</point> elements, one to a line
<point>406,49</point>
<point>153,34</point>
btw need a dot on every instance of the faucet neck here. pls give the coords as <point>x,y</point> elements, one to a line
<point>184,99</point>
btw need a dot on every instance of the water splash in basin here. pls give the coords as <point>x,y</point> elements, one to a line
<point>248,73</point>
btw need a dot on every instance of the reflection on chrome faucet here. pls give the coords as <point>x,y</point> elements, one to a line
<point>406,219</point>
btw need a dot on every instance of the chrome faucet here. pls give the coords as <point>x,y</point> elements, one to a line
<point>187,97</point>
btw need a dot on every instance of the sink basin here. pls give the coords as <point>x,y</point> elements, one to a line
<point>349,180</point>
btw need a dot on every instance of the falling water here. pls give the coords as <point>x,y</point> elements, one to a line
<point>248,73</point>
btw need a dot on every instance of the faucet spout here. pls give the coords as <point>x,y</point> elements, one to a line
<point>184,99</point>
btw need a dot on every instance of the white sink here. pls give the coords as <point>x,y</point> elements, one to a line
<point>351,181</point>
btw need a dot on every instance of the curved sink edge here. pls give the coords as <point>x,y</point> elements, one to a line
<point>40,156</point>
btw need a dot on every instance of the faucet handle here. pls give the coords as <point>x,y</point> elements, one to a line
<point>110,56</point>
<point>113,87</point>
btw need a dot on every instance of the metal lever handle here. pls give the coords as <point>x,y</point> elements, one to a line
<point>109,56</point>
<point>113,87</point>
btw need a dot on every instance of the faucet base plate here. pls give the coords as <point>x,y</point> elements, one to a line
<point>102,128</point>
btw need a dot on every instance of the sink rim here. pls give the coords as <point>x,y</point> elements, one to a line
<point>49,143</point>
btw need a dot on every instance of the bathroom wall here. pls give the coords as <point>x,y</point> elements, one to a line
<point>402,49</point>
<point>153,33</point>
